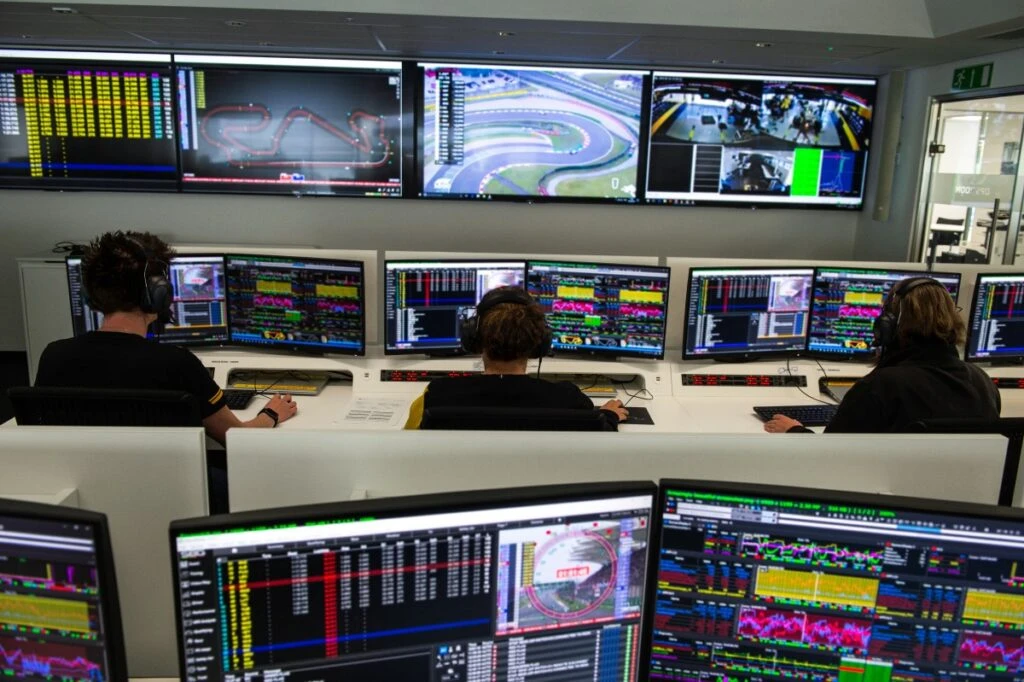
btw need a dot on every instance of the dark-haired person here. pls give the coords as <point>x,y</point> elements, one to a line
<point>510,329</point>
<point>919,374</point>
<point>125,276</point>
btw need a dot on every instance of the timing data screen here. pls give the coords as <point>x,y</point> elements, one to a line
<point>86,120</point>
<point>426,301</point>
<point>748,138</point>
<point>550,591</point>
<point>747,311</point>
<point>51,614</point>
<point>312,304</point>
<point>997,318</point>
<point>84,318</point>
<point>523,131</point>
<point>293,126</point>
<point>764,587</point>
<point>847,301</point>
<point>602,309</point>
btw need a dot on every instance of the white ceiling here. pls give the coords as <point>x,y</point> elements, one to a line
<point>141,26</point>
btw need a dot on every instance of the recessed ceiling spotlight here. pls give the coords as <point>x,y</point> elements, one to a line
<point>63,10</point>
<point>718,61</point>
<point>762,44</point>
<point>266,43</point>
<point>497,51</point>
<point>235,23</point>
<point>506,34</point>
<point>26,36</point>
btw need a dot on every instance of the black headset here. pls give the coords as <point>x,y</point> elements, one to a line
<point>469,328</point>
<point>157,294</point>
<point>887,324</point>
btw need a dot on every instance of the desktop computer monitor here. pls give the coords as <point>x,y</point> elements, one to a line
<point>311,304</point>
<point>747,312</point>
<point>602,309</point>
<point>199,311</point>
<point>425,301</point>
<point>846,302</point>
<point>995,330</point>
<point>59,612</point>
<point>84,318</point>
<point>761,583</point>
<point>500,585</point>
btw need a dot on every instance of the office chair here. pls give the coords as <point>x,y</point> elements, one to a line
<point>513,419</point>
<point>60,406</point>
<point>1010,427</point>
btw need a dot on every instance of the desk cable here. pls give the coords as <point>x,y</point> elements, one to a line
<point>789,371</point>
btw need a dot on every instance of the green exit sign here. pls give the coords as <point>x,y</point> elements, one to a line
<point>971,77</point>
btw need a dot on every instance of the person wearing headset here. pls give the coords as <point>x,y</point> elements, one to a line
<point>125,275</point>
<point>508,329</point>
<point>918,373</point>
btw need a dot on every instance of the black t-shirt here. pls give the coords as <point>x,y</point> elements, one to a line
<point>508,390</point>
<point>116,360</point>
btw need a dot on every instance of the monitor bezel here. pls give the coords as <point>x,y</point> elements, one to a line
<point>871,352</point>
<point>753,203</point>
<point>227,319</point>
<point>408,506</point>
<point>419,190</point>
<point>237,61</point>
<point>106,573</point>
<point>616,353</point>
<point>298,348</point>
<point>752,355</point>
<point>968,356</point>
<point>93,58</point>
<point>444,351</point>
<point>850,498</point>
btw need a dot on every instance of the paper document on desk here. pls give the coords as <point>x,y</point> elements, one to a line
<point>380,412</point>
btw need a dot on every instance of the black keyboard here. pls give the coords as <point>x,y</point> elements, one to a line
<point>238,398</point>
<point>638,415</point>
<point>808,415</point>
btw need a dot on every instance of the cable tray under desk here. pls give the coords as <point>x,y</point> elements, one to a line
<point>745,380</point>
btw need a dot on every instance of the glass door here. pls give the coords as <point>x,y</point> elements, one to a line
<point>973,184</point>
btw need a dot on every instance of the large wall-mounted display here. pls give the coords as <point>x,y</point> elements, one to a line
<point>290,126</point>
<point>86,120</point>
<point>758,139</point>
<point>507,131</point>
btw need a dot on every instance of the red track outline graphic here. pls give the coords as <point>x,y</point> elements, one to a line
<point>226,134</point>
<point>534,598</point>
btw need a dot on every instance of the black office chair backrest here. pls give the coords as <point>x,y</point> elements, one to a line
<point>1011,427</point>
<point>512,419</point>
<point>53,406</point>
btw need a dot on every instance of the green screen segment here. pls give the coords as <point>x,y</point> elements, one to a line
<point>855,670</point>
<point>806,171</point>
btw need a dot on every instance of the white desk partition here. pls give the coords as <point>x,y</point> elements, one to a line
<point>280,468</point>
<point>142,479</point>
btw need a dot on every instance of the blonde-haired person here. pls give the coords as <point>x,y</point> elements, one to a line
<point>918,374</point>
<point>510,329</point>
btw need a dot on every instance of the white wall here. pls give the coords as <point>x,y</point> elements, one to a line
<point>890,240</point>
<point>31,221</point>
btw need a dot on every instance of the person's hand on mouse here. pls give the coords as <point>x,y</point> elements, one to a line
<point>780,423</point>
<point>284,406</point>
<point>618,408</point>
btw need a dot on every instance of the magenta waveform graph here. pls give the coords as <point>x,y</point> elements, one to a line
<point>564,306</point>
<point>49,660</point>
<point>273,301</point>
<point>858,311</point>
<point>337,307</point>
<point>984,649</point>
<point>641,311</point>
<point>796,627</point>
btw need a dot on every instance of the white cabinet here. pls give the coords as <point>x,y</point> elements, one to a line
<point>45,305</point>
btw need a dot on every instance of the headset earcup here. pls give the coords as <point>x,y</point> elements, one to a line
<point>884,329</point>
<point>469,334</point>
<point>158,295</point>
<point>544,349</point>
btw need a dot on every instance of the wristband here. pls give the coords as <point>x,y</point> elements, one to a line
<point>270,413</point>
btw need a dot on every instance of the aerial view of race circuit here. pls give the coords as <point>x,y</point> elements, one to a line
<point>531,132</point>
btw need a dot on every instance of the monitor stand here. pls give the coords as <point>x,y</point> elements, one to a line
<point>1008,362</point>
